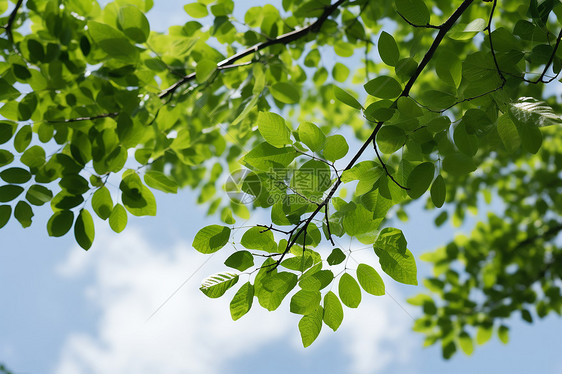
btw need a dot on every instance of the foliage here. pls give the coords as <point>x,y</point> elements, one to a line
<point>452,96</point>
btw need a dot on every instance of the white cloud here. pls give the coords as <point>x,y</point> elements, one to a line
<point>191,333</point>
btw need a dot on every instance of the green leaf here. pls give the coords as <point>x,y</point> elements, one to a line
<point>285,92</point>
<point>38,195</point>
<point>458,164</point>
<point>7,130</point>
<point>531,137</point>
<point>388,49</point>
<point>483,334</point>
<point>346,98</point>
<point>466,344</point>
<point>133,23</point>
<point>265,157</point>
<point>9,192</point>
<point>34,157</point>
<point>196,10</point>
<point>503,333</point>
<point>15,175</point>
<point>23,213</point>
<point>7,92</point>
<point>466,143</point>
<point>5,213</point>
<point>340,72</point>
<point>316,281</point>
<point>533,112</point>
<point>272,289</point>
<point>204,69</point>
<point>23,138</point>
<point>336,257</point>
<point>312,136</point>
<point>508,133</point>
<point>349,291</point>
<point>242,301</point>
<point>74,184</point>
<point>216,285</point>
<point>84,231</point>
<point>384,87</point>
<point>420,179</point>
<point>390,139</point>
<point>112,41</point>
<point>370,280</point>
<point>136,197</point>
<point>335,147</point>
<point>438,191</point>
<point>333,311</point>
<point>415,11</point>
<point>395,259</point>
<point>118,218</point>
<point>240,260</point>
<point>158,180</point>
<point>305,302</point>
<point>60,223</point>
<point>102,203</point>
<point>273,129</point>
<point>259,238</point>
<point>211,238</point>
<point>310,326</point>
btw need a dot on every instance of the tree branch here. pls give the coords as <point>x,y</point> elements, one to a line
<point>104,115</point>
<point>283,39</point>
<point>443,30</point>
<point>440,35</point>
<point>428,26</point>
<point>12,19</point>
<point>385,168</point>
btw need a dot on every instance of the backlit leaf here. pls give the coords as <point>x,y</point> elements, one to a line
<point>216,285</point>
<point>211,238</point>
<point>349,291</point>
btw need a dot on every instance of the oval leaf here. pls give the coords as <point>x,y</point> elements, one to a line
<point>349,291</point>
<point>370,280</point>
<point>211,238</point>
<point>216,285</point>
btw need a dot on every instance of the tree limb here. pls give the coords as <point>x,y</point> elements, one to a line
<point>283,39</point>
<point>12,19</point>
<point>444,28</point>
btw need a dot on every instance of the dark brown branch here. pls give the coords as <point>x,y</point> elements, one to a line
<point>428,26</point>
<point>328,225</point>
<point>99,116</point>
<point>440,35</point>
<point>283,39</point>
<point>385,168</point>
<point>443,30</point>
<point>271,228</point>
<point>489,28</point>
<point>12,19</point>
<point>330,164</point>
<point>540,79</point>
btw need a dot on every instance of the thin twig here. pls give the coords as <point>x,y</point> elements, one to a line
<point>330,164</point>
<point>328,225</point>
<point>385,168</point>
<point>91,118</point>
<point>283,39</point>
<point>429,54</point>
<point>11,20</point>
<point>427,26</point>
<point>489,28</point>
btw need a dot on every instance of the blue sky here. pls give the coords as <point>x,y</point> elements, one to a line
<point>67,311</point>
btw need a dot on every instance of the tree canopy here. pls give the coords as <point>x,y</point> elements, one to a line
<point>456,103</point>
